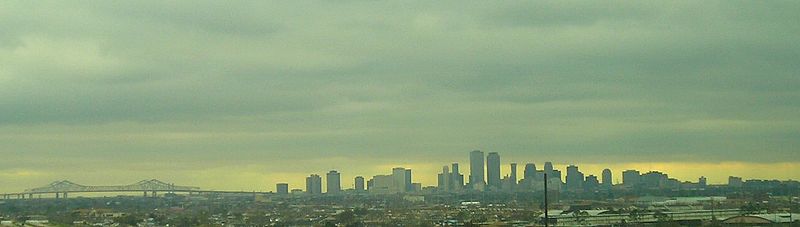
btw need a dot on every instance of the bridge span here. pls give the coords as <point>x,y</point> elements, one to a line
<point>61,189</point>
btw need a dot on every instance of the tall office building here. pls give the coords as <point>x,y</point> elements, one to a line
<point>574,178</point>
<point>409,185</point>
<point>397,182</point>
<point>607,178</point>
<point>445,182</point>
<point>631,178</point>
<point>653,179</point>
<point>401,178</point>
<point>359,184</point>
<point>556,175</point>
<point>314,184</point>
<point>382,184</point>
<point>493,170</point>
<point>548,169</point>
<point>334,182</point>
<point>735,182</point>
<point>282,188</point>
<point>591,183</point>
<point>476,176</point>
<point>513,177</point>
<point>529,174</point>
<point>457,178</point>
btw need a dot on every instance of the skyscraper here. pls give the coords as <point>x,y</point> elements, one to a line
<point>445,182</point>
<point>333,179</point>
<point>282,188</point>
<point>735,182</point>
<point>607,178</point>
<point>409,185</point>
<point>548,169</point>
<point>631,178</point>
<point>314,184</point>
<point>591,183</point>
<point>653,179</point>
<point>457,178</point>
<point>513,177</point>
<point>556,175</point>
<point>574,178</point>
<point>476,168</point>
<point>382,184</point>
<point>401,178</point>
<point>529,174</point>
<point>493,170</point>
<point>359,184</point>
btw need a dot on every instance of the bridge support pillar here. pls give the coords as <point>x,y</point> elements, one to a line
<point>30,196</point>
<point>145,194</point>
<point>65,195</point>
<point>57,195</point>
<point>155,194</point>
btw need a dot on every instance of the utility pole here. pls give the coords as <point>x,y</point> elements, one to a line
<point>546,218</point>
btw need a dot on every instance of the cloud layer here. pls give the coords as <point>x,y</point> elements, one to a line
<point>161,87</point>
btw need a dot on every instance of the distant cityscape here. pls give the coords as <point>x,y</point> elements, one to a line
<point>484,176</point>
<point>483,198</point>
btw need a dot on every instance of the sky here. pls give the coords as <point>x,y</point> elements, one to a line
<point>241,95</point>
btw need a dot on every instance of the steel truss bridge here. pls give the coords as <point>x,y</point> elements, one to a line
<point>62,188</point>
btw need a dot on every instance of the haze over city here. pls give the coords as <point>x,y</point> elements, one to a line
<point>243,95</point>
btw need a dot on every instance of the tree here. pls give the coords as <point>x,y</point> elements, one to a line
<point>128,220</point>
<point>346,217</point>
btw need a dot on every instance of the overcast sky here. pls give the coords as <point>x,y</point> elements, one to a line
<point>240,95</point>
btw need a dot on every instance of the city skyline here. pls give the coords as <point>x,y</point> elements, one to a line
<point>572,179</point>
<point>260,93</point>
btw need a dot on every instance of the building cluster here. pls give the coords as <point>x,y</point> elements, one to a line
<point>485,176</point>
<point>399,181</point>
<point>483,197</point>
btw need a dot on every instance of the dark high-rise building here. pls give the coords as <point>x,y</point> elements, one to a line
<point>735,182</point>
<point>607,178</point>
<point>409,185</point>
<point>282,188</point>
<point>556,174</point>
<point>513,177</point>
<point>574,178</point>
<point>548,169</point>
<point>653,179</point>
<point>493,170</point>
<point>631,178</point>
<point>702,182</point>
<point>457,178</point>
<point>591,183</point>
<point>359,184</point>
<point>314,184</point>
<point>334,181</point>
<point>476,176</point>
<point>529,174</point>
<point>445,179</point>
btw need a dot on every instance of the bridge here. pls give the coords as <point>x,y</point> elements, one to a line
<point>62,188</point>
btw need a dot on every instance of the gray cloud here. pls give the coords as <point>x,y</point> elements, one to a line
<point>206,82</point>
